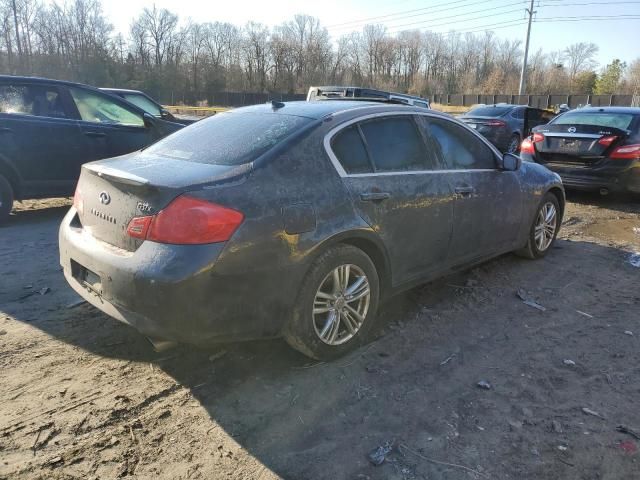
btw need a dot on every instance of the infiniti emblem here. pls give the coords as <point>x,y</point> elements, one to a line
<point>571,130</point>
<point>105,198</point>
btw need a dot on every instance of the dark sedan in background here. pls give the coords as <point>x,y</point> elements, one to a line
<point>591,148</point>
<point>505,125</point>
<point>296,219</point>
<point>49,128</point>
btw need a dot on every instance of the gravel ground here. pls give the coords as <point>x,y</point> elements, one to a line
<point>86,397</point>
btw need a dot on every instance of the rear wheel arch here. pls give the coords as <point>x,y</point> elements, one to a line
<point>374,250</point>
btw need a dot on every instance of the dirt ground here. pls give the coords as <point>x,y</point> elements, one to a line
<point>85,397</point>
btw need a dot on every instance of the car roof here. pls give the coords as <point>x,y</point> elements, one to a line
<point>36,80</point>
<point>631,110</point>
<point>122,90</point>
<point>321,109</point>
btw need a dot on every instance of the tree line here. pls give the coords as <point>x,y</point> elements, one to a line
<point>190,62</point>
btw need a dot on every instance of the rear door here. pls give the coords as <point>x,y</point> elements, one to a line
<point>488,201</point>
<point>40,137</point>
<point>395,187</point>
<point>111,126</point>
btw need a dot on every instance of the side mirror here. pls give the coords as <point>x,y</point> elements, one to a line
<point>510,162</point>
<point>149,121</point>
<point>164,113</point>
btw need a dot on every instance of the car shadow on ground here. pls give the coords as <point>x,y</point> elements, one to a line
<point>290,412</point>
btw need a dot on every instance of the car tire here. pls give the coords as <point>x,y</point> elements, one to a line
<point>544,229</point>
<point>327,324</point>
<point>514,144</point>
<point>6,199</point>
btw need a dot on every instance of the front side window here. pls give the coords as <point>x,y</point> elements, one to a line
<point>36,100</point>
<point>144,103</point>
<point>459,148</point>
<point>395,144</point>
<point>97,108</point>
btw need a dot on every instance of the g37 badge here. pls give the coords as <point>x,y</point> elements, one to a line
<point>144,207</point>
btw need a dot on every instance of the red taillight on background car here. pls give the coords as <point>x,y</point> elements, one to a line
<point>495,123</point>
<point>606,141</point>
<point>626,152</point>
<point>187,221</point>
<point>77,200</point>
<point>527,145</point>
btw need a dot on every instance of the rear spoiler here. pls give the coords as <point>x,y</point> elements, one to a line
<point>117,175</point>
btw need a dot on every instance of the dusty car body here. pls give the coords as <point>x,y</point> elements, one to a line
<point>320,190</point>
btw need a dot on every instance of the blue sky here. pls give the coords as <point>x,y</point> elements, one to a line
<point>615,37</point>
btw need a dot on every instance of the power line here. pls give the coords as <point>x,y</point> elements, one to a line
<point>459,20</point>
<point>403,15</point>
<point>588,18</point>
<point>367,19</point>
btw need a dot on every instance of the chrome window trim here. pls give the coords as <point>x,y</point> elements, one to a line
<point>571,135</point>
<point>343,173</point>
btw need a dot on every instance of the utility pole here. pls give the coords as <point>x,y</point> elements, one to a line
<point>523,73</point>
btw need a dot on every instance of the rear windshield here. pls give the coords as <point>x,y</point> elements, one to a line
<point>229,138</point>
<point>488,111</point>
<point>612,120</point>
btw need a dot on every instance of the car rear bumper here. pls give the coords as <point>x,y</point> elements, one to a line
<point>168,292</point>
<point>612,175</point>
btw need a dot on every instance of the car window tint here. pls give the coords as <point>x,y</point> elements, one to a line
<point>229,138</point>
<point>395,144</point>
<point>144,103</point>
<point>37,100</point>
<point>97,108</point>
<point>350,151</point>
<point>487,111</point>
<point>518,113</point>
<point>604,119</point>
<point>460,149</point>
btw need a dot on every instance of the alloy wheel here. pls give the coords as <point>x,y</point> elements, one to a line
<point>341,304</point>
<point>545,228</point>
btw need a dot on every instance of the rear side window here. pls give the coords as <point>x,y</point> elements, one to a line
<point>518,113</point>
<point>98,108</point>
<point>37,100</point>
<point>229,138</point>
<point>459,148</point>
<point>395,144</point>
<point>350,151</point>
<point>613,120</point>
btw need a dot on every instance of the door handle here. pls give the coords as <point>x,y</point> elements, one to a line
<point>464,191</point>
<point>95,134</point>
<point>374,196</point>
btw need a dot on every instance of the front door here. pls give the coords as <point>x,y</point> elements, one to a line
<point>111,128</point>
<point>488,201</point>
<point>394,187</point>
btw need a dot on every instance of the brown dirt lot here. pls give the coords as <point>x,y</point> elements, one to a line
<point>86,397</point>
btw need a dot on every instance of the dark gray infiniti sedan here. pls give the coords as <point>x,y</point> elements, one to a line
<point>296,220</point>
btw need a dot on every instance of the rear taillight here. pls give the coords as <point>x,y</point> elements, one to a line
<point>606,141</point>
<point>538,137</point>
<point>187,221</point>
<point>626,152</point>
<point>77,200</point>
<point>496,123</point>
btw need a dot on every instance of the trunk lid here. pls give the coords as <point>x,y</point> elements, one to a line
<point>577,144</point>
<point>116,190</point>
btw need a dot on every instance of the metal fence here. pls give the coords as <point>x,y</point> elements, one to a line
<point>240,99</point>
<point>539,101</point>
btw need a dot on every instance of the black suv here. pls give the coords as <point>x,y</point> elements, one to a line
<point>505,125</point>
<point>49,128</point>
<point>149,105</point>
